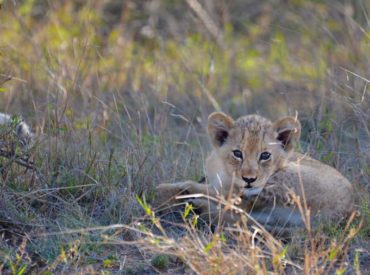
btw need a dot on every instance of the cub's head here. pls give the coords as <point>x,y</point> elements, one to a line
<point>252,148</point>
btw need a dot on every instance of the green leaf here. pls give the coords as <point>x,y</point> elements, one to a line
<point>144,205</point>
<point>107,263</point>
<point>22,270</point>
<point>3,90</point>
<point>333,254</point>
<point>188,208</point>
<point>356,261</point>
<point>209,247</point>
<point>283,253</point>
<point>195,220</point>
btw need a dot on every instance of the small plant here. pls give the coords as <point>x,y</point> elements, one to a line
<point>160,261</point>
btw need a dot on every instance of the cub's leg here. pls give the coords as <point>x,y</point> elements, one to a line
<point>279,220</point>
<point>214,212</point>
<point>167,192</point>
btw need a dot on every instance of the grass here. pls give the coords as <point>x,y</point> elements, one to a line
<point>119,101</point>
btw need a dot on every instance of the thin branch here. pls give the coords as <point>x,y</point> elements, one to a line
<point>18,159</point>
<point>207,21</point>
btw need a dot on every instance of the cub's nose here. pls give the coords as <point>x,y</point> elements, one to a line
<point>249,181</point>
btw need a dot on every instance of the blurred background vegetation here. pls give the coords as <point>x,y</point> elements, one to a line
<point>121,91</point>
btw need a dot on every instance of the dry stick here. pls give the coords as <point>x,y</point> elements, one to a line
<point>6,78</point>
<point>10,77</point>
<point>17,159</point>
<point>237,209</point>
<point>207,21</point>
<point>22,162</point>
<point>204,89</point>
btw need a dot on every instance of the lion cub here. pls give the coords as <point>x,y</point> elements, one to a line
<point>253,159</point>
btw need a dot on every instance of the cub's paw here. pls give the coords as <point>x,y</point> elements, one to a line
<point>166,192</point>
<point>204,205</point>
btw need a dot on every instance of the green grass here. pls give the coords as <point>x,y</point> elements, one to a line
<point>119,101</point>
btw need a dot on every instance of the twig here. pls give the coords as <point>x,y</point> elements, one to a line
<point>18,159</point>
<point>22,162</point>
<point>6,78</point>
<point>207,21</point>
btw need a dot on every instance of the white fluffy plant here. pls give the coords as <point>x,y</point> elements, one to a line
<point>19,127</point>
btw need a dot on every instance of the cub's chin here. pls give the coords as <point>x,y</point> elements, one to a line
<point>251,192</point>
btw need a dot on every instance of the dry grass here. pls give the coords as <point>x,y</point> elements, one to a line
<point>119,94</point>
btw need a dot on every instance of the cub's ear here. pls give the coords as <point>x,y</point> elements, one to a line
<point>219,125</point>
<point>289,131</point>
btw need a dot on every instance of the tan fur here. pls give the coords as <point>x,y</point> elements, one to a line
<point>324,190</point>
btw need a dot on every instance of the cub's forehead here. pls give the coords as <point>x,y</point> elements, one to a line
<point>253,125</point>
<point>252,132</point>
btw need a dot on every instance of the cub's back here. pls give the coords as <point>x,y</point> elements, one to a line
<point>325,189</point>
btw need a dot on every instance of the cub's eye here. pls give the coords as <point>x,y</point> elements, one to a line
<point>238,154</point>
<point>265,156</point>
